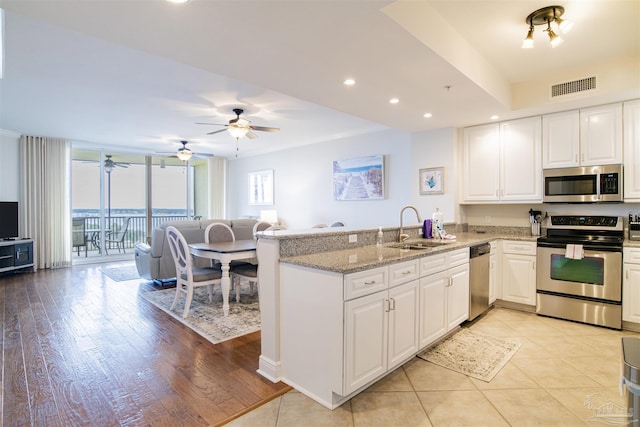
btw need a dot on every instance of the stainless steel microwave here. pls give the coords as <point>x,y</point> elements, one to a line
<point>586,184</point>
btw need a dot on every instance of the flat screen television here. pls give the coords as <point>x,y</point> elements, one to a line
<point>8,220</point>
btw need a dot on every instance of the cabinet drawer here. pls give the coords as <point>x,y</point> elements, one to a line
<point>403,272</point>
<point>631,255</point>
<point>458,257</point>
<point>519,248</point>
<point>365,282</point>
<point>433,264</point>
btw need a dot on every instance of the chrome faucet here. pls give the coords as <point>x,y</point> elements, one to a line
<point>402,236</point>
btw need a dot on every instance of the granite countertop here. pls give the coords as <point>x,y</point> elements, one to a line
<point>366,257</point>
<point>631,243</point>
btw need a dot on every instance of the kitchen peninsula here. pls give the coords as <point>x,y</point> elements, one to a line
<point>337,316</point>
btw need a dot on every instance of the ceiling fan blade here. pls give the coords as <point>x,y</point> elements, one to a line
<point>264,128</point>
<point>212,124</point>
<point>251,135</point>
<point>216,131</point>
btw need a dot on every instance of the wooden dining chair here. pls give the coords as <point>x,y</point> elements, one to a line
<point>187,277</point>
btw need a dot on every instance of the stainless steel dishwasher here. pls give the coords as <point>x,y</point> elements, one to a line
<point>478,279</point>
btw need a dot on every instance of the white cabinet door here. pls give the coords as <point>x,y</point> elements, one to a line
<point>366,331</point>
<point>561,139</point>
<point>632,151</point>
<point>403,323</point>
<point>481,160</point>
<point>601,135</point>
<point>519,278</point>
<point>631,293</point>
<point>433,317</point>
<point>521,160</point>
<point>458,296</point>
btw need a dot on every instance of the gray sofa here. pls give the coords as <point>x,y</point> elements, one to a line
<point>156,263</point>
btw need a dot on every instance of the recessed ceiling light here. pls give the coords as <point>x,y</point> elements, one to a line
<point>428,115</point>
<point>394,100</point>
<point>349,82</point>
<point>177,1</point>
<point>494,117</point>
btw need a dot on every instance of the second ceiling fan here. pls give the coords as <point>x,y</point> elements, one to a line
<point>239,127</point>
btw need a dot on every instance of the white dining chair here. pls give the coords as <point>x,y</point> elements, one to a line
<point>248,271</point>
<point>187,277</point>
<point>260,226</point>
<point>218,232</point>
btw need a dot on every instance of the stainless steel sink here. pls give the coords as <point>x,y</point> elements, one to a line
<point>419,245</point>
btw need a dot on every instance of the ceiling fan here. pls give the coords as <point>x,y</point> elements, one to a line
<point>184,153</point>
<point>110,165</point>
<point>239,127</point>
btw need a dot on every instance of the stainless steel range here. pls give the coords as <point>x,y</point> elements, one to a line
<point>579,270</point>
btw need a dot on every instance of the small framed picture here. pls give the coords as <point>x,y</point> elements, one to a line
<point>261,187</point>
<point>432,181</point>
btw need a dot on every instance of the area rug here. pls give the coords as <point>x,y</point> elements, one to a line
<point>207,319</point>
<point>122,273</point>
<point>475,355</point>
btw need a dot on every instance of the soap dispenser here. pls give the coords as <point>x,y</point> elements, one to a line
<point>437,222</point>
<point>380,238</point>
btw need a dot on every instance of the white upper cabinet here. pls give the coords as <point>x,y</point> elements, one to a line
<point>481,160</point>
<point>561,139</point>
<point>503,162</point>
<point>632,151</point>
<point>521,160</point>
<point>601,135</point>
<point>589,137</point>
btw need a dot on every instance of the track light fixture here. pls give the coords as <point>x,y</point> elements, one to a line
<point>546,16</point>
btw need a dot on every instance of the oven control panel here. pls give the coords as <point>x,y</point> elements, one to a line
<point>585,221</point>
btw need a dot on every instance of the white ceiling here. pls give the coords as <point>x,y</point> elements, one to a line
<point>138,74</point>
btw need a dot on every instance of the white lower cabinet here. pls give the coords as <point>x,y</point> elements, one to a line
<point>381,331</point>
<point>444,294</point>
<point>631,285</point>
<point>519,272</point>
<point>493,271</point>
<point>341,332</point>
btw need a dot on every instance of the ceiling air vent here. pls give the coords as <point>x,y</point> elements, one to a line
<point>573,87</point>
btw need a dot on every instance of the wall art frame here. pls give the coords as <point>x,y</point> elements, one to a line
<point>431,181</point>
<point>360,178</point>
<point>261,187</point>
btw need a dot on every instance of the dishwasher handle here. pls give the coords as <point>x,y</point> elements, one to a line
<point>479,250</point>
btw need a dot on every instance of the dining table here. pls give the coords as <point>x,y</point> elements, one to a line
<point>225,252</point>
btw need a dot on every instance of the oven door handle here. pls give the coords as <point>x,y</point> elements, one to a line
<point>587,247</point>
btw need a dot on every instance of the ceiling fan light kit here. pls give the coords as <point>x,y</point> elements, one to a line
<point>184,153</point>
<point>239,127</point>
<point>110,165</point>
<point>546,16</point>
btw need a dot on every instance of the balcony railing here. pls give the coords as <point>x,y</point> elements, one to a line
<point>136,231</point>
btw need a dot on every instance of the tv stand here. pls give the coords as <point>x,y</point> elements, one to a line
<point>16,255</point>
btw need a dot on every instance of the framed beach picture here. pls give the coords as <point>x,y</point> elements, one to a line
<point>360,178</point>
<point>261,187</point>
<point>432,181</point>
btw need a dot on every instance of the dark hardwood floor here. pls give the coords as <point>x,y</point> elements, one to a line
<point>80,349</point>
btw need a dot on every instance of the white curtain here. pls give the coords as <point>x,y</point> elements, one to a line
<point>45,199</point>
<point>217,187</point>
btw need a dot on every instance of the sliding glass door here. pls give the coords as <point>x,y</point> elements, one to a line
<point>117,198</point>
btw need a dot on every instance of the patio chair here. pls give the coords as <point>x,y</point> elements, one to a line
<point>117,237</point>
<point>79,235</point>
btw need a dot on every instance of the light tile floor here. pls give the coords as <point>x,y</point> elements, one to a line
<point>563,373</point>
